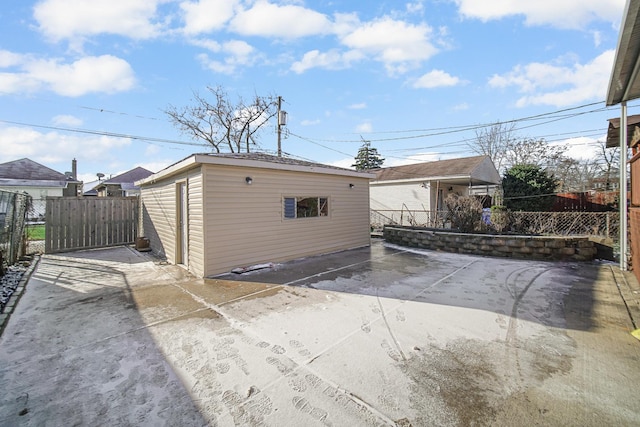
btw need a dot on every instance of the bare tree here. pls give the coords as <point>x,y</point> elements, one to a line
<point>506,150</point>
<point>221,123</point>
<point>494,141</point>
<point>574,175</point>
<point>608,160</point>
<point>529,151</point>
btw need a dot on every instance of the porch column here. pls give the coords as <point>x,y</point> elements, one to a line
<point>624,260</point>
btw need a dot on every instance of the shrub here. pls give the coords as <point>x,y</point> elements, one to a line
<point>465,212</point>
<point>499,218</point>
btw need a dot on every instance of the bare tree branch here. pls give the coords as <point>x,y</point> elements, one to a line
<point>221,123</point>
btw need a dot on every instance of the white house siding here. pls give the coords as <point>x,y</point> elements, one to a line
<point>397,196</point>
<point>39,197</point>
<point>414,196</point>
<point>244,224</point>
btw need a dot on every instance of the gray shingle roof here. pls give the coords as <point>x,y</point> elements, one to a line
<point>28,170</point>
<point>129,177</point>
<point>263,157</point>
<point>442,168</point>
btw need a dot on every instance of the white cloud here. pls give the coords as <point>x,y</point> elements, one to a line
<point>78,19</point>
<point>398,44</point>
<point>331,60</point>
<point>436,78</point>
<point>310,122</point>
<point>67,120</point>
<point>359,106</point>
<point>158,165</point>
<point>566,14</point>
<point>461,107</point>
<point>238,54</point>
<point>343,163</point>
<point>581,148</point>
<point>415,158</point>
<point>204,16</point>
<point>208,44</point>
<point>103,74</point>
<point>557,84</point>
<point>415,7</point>
<point>9,59</point>
<point>287,21</point>
<point>364,127</point>
<point>56,147</point>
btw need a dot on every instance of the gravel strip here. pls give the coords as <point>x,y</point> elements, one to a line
<point>10,281</point>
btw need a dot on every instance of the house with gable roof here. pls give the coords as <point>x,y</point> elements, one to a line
<point>424,186</point>
<point>122,185</point>
<point>39,181</point>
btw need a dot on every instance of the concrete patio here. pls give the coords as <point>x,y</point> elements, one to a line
<point>373,336</point>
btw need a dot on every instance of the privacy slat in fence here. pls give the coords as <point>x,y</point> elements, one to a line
<point>73,223</point>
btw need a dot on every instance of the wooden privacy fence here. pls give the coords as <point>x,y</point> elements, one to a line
<point>73,223</point>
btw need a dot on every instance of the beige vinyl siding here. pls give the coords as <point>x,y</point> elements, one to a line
<point>244,224</point>
<point>158,210</point>
<point>196,223</point>
<point>159,202</point>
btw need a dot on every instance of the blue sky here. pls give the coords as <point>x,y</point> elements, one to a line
<point>414,77</point>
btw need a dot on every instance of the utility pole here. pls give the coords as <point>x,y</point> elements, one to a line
<point>282,121</point>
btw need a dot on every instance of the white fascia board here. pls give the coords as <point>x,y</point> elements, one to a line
<point>424,179</point>
<point>251,163</point>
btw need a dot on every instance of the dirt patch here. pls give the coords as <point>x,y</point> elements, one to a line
<point>461,383</point>
<point>469,381</point>
<point>218,292</point>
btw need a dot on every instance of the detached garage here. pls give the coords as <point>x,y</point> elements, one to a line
<point>216,212</point>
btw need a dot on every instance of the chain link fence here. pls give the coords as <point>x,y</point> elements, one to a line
<point>597,224</point>
<point>14,210</point>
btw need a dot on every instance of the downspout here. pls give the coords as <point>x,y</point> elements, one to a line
<point>623,188</point>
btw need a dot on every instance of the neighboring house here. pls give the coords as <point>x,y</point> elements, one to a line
<point>216,212</point>
<point>424,186</point>
<point>39,181</point>
<point>122,185</point>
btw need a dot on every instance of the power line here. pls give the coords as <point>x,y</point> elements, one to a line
<point>110,134</point>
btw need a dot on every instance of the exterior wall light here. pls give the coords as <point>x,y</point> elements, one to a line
<point>249,180</point>
<point>351,185</point>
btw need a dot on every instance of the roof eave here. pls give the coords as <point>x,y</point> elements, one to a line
<point>423,179</point>
<point>622,75</point>
<point>196,159</point>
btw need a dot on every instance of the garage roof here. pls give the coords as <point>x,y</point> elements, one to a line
<point>252,160</point>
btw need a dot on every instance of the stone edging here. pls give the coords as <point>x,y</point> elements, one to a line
<point>17,294</point>
<point>551,248</point>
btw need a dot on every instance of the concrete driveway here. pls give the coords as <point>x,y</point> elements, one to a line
<point>374,336</point>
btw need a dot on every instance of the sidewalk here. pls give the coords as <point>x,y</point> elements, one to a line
<point>629,288</point>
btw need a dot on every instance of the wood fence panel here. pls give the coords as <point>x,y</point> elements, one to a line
<point>73,223</point>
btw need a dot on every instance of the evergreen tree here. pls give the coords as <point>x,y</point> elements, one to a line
<point>528,188</point>
<point>367,158</point>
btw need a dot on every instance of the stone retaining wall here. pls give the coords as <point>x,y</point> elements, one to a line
<point>551,248</point>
